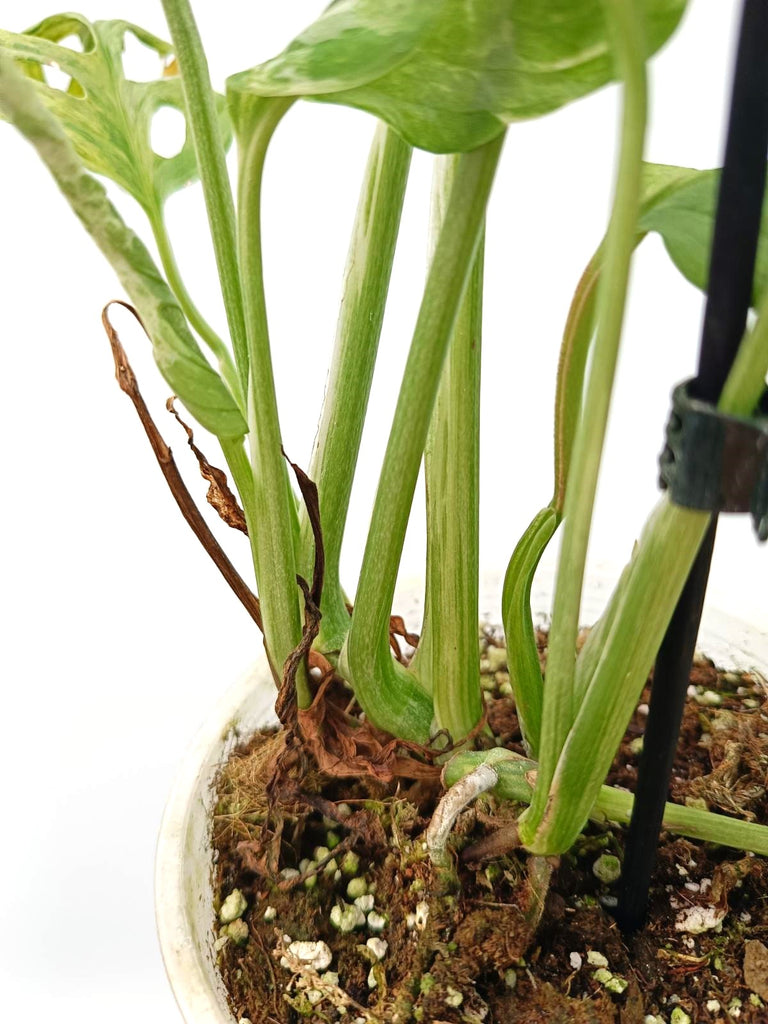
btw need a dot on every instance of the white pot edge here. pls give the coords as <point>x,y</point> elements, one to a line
<point>183,894</point>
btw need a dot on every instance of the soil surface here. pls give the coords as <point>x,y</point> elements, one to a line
<point>339,914</point>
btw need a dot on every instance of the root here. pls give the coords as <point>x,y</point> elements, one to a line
<point>459,796</point>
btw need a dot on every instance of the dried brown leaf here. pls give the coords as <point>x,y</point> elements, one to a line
<point>128,384</point>
<point>219,495</point>
<point>397,629</point>
<point>311,498</point>
<point>344,747</point>
<point>286,704</point>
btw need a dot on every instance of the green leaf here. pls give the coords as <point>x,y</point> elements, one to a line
<point>106,116</point>
<point>450,74</point>
<point>679,204</point>
<point>176,352</point>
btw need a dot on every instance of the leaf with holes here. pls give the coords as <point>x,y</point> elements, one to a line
<point>176,352</point>
<point>107,116</point>
<point>448,75</point>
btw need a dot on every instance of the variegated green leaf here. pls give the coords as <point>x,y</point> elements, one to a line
<point>106,116</point>
<point>450,74</point>
<point>679,203</point>
<point>175,350</point>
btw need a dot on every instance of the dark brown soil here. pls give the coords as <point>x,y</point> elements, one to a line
<point>508,942</point>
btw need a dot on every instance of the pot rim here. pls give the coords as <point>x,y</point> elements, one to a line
<point>178,907</point>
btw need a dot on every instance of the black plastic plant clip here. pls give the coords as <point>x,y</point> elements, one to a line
<point>729,293</point>
<point>715,462</point>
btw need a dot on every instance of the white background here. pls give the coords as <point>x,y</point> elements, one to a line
<point>118,634</point>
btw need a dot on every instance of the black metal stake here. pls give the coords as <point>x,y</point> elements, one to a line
<point>734,248</point>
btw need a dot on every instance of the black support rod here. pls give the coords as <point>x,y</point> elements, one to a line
<point>732,263</point>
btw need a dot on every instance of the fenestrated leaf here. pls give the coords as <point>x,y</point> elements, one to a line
<point>679,203</point>
<point>106,116</point>
<point>176,352</point>
<point>450,74</point>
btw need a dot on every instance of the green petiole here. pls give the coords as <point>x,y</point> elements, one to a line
<point>616,660</point>
<point>389,695</point>
<point>559,705</point>
<point>211,161</point>
<point>273,510</point>
<point>446,661</point>
<point>197,320</point>
<point>522,655</point>
<point>366,282</point>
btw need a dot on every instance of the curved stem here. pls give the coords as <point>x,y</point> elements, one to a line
<point>571,366</point>
<point>525,674</point>
<point>459,796</point>
<point>388,694</point>
<point>617,657</point>
<point>192,313</point>
<point>626,25</point>
<point>447,663</point>
<point>272,509</point>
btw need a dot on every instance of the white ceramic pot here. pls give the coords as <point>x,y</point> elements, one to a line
<point>183,892</point>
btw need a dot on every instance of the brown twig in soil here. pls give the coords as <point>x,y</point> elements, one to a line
<point>270,967</point>
<point>501,842</point>
<point>128,384</point>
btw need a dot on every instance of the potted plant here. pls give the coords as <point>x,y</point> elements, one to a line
<point>432,707</point>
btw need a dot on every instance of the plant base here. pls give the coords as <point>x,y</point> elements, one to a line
<point>502,939</point>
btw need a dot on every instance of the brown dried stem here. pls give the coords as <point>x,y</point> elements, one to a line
<point>128,383</point>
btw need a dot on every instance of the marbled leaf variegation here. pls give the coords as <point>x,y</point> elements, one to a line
<point>679,204</point>
<point>448,75</point>
<point>176,352</point>
<point>106,116</point>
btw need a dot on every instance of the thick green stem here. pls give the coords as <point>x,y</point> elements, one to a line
<point>272,511</point>
<point>447,662</point>
<point>203,124</point>
<point>192,313</point>
<point>366,283</point>
<point>626,23</point>
<point>388,694</point>
<point>616,805</point>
